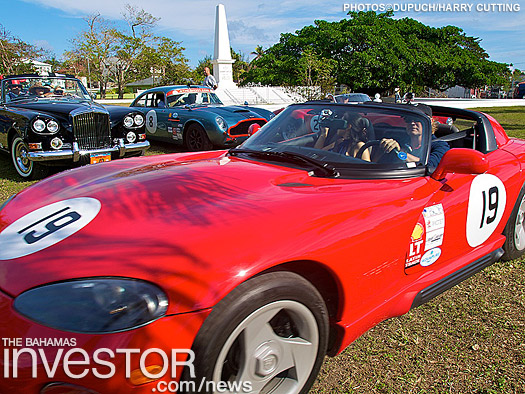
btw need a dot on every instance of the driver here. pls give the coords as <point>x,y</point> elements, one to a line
<point>414,149</point>
<point>15,91</point>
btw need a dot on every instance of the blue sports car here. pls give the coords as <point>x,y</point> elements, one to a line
<point>195,117</point>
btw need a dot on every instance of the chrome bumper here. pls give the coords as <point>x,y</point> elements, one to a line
<point>76,153</point>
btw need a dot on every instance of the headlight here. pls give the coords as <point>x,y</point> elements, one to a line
<point>93,305</point>
<point>39,125</point>
<point>56,143</point>
<point>221,123</point>
<point>52,126</point>
<point>139,120</point>
<point>131,137</point>
<point>128,121</point>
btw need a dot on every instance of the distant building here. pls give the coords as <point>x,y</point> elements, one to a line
<point>40,67</point>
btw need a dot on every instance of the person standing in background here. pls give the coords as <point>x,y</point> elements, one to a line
<point>209,80</point>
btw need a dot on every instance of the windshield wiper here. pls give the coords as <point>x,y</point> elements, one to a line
<point>321,169</point>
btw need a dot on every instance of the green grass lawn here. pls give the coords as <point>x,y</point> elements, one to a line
<point>471,339</point>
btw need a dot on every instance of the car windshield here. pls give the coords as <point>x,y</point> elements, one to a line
<point>352,98</point>
<point>347,136</point>
<point>192,96</point>
<point>55,88</point>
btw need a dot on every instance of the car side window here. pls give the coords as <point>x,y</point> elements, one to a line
<point>461,132</point>
<point>159,101</point>
<point>141,102</point>
<point>151,100</point>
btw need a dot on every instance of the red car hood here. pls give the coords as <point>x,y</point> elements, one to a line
<point>176,221</point>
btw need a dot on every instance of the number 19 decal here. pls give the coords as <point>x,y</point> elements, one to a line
<point>486,204</point>
<point>47,226</point>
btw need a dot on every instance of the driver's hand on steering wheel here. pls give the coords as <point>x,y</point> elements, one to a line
<point>388,145</point>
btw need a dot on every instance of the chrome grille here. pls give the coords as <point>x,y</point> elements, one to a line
<point>92,130</point>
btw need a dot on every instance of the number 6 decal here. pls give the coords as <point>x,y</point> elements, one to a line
<point>486,204</point>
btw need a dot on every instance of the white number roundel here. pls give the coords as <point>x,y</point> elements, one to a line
<point>315,124</point>
<point>151,121</point>
<point>486,204</point>
<point>47,226</point>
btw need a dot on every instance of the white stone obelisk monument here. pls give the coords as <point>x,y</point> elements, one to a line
<point>222,58</point>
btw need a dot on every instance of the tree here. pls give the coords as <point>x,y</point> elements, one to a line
<point>197,75</point>
<point>258,52</point>
<point>240,67</point>
<point>107,53</point>
<point>92,52</point>
<point>372,52</point>
<point>165,61</point>
<point>15,54</point>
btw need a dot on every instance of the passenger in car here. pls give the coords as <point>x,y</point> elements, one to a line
<point>39,90</point>
<point>414,148</point>
<point>347,141</point>
<point>15,91</point>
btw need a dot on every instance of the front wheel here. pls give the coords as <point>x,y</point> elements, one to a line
<point>514,245</point>
<point>269,335</point>
<point>196,139</point>
<point>23,166</point>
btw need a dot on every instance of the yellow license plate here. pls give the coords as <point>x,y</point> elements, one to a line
<point>99,157</point>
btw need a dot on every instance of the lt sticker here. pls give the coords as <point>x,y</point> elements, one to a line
<point>415,249</point>
<point>486,204</point>
<point>47,226</point>
<point>151,121</point>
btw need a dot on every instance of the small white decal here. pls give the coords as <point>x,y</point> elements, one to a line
<point>434,239</point>
<point>47,226</point>
<point>151,121</point>
<point>430,257</point>
<point>434,225</point>
<point>486,204</point>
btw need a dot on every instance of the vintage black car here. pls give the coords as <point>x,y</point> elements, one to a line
<point>53,120</point>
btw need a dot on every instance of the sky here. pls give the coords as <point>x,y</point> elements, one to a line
<point>52,24</point>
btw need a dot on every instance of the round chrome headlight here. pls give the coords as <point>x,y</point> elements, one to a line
<point>39,125</point>
<point>128,121</point>
<point>56,143</point>
<point>52,126</point>
<point>221,123</point>
<point>139,120</point>
<point>131,137</point>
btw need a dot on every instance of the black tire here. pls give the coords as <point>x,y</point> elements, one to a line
<point>196,139</point>
<point>514,245</point>
<point>274,318</point>
<point>26,168</point>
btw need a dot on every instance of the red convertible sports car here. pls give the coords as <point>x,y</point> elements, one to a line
<point>238,271</point>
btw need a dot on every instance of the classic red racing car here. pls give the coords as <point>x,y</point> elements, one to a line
<point>247,266</point>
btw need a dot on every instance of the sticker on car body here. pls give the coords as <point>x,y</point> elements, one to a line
<point>430,257</point>
<point>47,226</point>
<point>151,121</point>
<point>427,236</point>
<point>486,205</point>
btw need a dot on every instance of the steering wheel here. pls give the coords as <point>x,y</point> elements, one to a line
<point>399,154</point>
